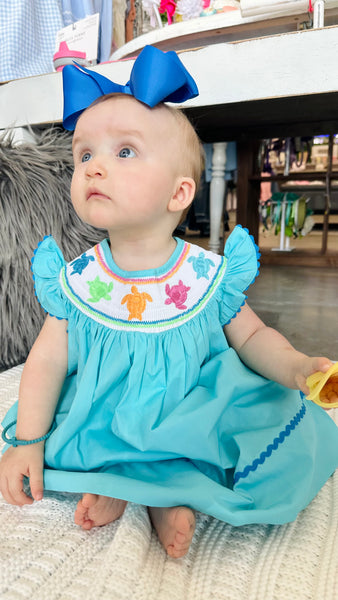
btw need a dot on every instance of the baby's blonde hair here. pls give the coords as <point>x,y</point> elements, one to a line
<point>192,154</point>
<point>191,149</point>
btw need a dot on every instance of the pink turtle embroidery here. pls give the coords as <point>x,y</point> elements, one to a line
<point>177,294</point>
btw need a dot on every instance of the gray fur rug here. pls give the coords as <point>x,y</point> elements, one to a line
<point>34,202</point>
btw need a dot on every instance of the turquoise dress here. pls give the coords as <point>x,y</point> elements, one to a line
<point>156,408</point>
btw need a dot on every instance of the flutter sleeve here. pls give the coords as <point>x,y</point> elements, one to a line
<point>242,256</point>
<point>47,263</point>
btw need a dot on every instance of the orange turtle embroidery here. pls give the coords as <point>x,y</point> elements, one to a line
<point>136,303</point>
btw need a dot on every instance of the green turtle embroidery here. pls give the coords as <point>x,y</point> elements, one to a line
<point>201,265</point>
<point>99,290</point>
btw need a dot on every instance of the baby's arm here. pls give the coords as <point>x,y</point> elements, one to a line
<point>41,383</point>
<point>267,352</point>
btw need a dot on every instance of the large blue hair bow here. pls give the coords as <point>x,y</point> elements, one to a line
<point>155,77</point>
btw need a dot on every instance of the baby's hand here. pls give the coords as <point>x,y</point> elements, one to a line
<point>324,387</point>
<point>17,463</point>
<point>307,367</point>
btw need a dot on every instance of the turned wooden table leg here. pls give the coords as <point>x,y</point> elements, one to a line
<point>217,189</point>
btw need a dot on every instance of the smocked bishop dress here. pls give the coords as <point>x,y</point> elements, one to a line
<point>157,408</point>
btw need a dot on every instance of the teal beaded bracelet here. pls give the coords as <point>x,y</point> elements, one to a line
<point>13,441</point>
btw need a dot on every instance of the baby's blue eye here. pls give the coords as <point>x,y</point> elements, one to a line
<point>126,153</point>
<point>85,157</point>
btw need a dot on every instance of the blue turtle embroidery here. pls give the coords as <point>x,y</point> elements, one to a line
<point>79,264</point>
<point>201,265</point>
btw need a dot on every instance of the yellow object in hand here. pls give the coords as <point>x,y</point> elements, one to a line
<point>324,387</point>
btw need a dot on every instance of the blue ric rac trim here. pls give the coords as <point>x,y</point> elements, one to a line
<point>272,447</point>
<point>258,255</point>
<point>36,296</point>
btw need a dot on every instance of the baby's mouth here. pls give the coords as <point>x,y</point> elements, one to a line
<point>96,193</point>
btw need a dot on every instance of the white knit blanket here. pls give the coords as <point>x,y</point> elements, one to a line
<point>44,555</point>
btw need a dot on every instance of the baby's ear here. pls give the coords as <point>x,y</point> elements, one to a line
<point>183,195</point>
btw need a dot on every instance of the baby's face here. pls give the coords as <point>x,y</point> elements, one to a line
<point>126,164</point>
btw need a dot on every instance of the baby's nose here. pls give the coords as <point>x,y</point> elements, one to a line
<point>96,167</point>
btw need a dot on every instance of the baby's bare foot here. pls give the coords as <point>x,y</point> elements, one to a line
<point>175,528</point>
<point>95,511</point>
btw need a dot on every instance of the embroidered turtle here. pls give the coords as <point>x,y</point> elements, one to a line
<point>136,303</point>
<point>177,294</point>
<point>79,264</point>
<point>99,290</point>
<point>201,265</point>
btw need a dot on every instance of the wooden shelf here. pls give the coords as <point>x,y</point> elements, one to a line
<point>299,258</point>
<point>302,176</point>
<point>239,96</point>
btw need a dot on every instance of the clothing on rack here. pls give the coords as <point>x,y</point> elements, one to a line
<point>29,32</point>
<point>290,207</point>
<point>73,11</point>
<point>119,23</point>
<point>28,42</point>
